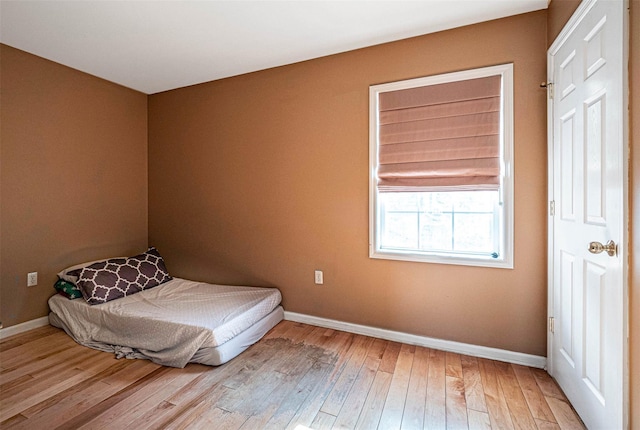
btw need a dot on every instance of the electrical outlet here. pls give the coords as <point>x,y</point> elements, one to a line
<point>32,279</point>
<point>318,277</point>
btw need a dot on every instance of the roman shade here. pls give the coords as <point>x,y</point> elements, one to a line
<point>440,137</point>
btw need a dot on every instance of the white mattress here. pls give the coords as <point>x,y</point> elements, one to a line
<point>218,355</point>
<point>170,323</point>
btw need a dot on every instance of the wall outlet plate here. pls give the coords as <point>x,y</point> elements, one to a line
<point>32,279</point>
<point>318,277</point>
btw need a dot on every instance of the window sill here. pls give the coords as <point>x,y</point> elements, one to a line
<point>460,260</point>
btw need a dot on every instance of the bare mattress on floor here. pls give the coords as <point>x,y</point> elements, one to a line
<point>173,324</point>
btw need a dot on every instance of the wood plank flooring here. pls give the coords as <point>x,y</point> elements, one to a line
<point>297,377</point>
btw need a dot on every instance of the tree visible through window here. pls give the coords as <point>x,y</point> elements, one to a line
<point>441,182</point>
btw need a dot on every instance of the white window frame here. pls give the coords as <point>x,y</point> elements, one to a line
<point>505,259</point>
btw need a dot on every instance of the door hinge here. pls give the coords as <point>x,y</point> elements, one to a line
<point>552,208</point>
<point>549,87</point>
<point>551,325</point>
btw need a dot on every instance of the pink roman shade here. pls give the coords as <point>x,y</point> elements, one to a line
<point>440,137</point>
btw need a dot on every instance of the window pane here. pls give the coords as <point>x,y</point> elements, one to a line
<point>436,232</point>
<point>400,230</point>
<point>401,201</point>
<point>440,221</point>
<point>474,201</point>
<point>473,232</point>
<point>437,202</point>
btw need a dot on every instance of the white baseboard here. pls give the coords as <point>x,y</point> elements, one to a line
<point>412,339</point>
<point>429,342</point>
<point>22,327</point>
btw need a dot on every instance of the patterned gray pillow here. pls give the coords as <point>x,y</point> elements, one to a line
<point>119,277</point>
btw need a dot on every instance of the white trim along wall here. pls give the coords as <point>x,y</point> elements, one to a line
<point>22,327</point>
<point>396,336</point>
<point>429,342</point>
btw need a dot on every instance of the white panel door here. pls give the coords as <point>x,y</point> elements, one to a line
<point>587,356</point>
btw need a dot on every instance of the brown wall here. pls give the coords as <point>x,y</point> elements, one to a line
<point>558,13</point>
<point>73,176</point>
<point>262,178</point>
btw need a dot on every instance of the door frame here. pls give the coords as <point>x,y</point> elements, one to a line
<point>623,247</point>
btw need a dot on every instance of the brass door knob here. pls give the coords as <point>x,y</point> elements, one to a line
<point>610,247</point>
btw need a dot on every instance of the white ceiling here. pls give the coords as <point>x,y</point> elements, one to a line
<point>154,46</point>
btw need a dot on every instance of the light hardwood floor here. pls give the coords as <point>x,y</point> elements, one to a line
<point>297,377</point>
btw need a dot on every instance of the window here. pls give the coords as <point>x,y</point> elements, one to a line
<point>441,184</point>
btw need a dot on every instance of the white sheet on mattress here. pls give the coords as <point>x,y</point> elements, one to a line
<point>168,323</point>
